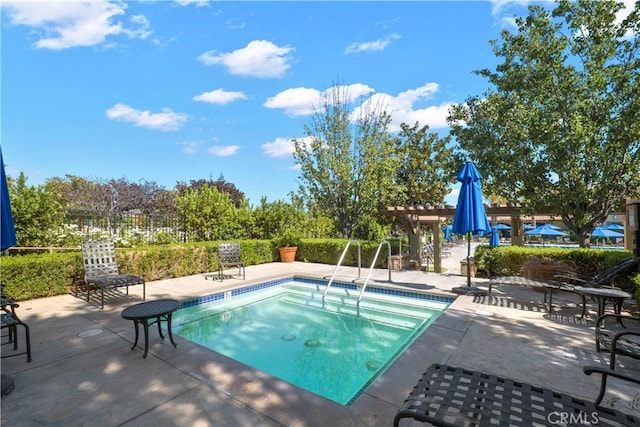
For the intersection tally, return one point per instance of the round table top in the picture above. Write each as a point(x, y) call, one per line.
point(148, 309)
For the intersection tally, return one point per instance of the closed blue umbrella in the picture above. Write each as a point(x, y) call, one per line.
point(7, 229)
point(7, 239)
point(495, 237)
point(447, 232)
point(470, 217)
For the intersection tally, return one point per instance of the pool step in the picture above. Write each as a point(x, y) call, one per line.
point(381, 317)
point(349, 296)
point(401, 316)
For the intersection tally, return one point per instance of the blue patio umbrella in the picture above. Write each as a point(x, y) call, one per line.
point(501, 227)
point(605, 232)
point(546, 230)
point(495, 237)
point(614, 227)
point(7, 229)
point(470, 217)
point(447, 232)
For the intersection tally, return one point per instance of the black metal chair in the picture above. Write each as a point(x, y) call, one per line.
point(10, 321)
point(101, 269)
point(230, 255)
point(454, 397)
point(602, 279)
point(618, 335)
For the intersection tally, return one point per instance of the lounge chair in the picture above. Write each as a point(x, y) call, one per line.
point(456, 397)
point(101, 269)
point(618, 335)
point(11, 321)
point(602, 279)
point(567, 282)
point(229, 255)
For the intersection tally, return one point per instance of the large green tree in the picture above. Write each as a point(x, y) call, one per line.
point(208, 214)
point(346, 163)
point(560, 125)
point(220, 184)
point(112, 195)
point(426, 166)
point(37, 212)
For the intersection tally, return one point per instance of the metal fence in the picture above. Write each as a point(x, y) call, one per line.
point(152, 228)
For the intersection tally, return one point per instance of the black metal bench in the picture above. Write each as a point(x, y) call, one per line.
point(457, 397)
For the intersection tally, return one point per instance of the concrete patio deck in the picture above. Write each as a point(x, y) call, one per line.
point(84, 372)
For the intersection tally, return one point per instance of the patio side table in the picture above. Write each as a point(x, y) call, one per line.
point(157, 310)
point(617, 296)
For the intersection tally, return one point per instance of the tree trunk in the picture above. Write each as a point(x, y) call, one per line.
point(584, 239)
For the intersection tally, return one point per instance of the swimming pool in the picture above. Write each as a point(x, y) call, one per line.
point(332, 349)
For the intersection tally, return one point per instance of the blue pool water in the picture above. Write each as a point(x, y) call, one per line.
point(283, 328)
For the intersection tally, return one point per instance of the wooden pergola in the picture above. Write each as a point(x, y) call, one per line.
point(413, 217)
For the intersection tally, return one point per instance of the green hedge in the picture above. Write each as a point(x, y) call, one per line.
point(508, 260)
point(43, 275)
point(328, 251)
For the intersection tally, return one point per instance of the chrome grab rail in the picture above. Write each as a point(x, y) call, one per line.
point(373, 264)
point(344, 252)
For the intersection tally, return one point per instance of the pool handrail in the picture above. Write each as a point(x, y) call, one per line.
point(335, 271)
point(373, 264)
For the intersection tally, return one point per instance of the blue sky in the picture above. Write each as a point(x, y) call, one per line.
point(169, 91)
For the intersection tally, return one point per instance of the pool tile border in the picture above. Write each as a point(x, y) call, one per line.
point(318, 282)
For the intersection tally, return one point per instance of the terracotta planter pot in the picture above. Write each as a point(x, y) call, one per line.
point(288, 254)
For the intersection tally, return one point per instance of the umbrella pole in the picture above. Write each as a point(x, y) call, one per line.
point(468, 259)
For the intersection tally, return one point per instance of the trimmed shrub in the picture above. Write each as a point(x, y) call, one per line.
point(43, 275)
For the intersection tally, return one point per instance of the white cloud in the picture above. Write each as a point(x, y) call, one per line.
point(300, 101)
point(499, 6)
point(197, 3)
point(223, 150)
point(304, 101)
point(191, 147)
point(401, 107)
point(166, 120)
point(219, 96)
point(435, 116)
point(66, 24)
point(374, 46)
point(354, 91)
point(260, 58)
point(280, 147)
point(452, 197)
point(234, 25)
